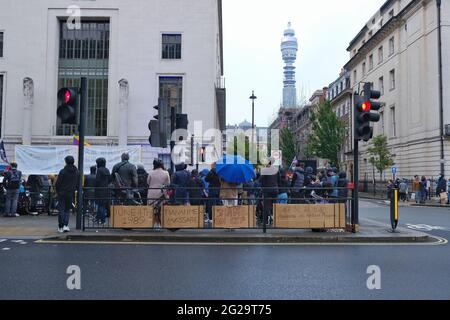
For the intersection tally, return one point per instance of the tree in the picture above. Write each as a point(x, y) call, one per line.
point(328, 134)
point(288, 146)
point(380, 156)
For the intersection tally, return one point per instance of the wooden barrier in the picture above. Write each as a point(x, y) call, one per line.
point(305, 216)
point(132, 217)
point(179, 217)
point(234, 217)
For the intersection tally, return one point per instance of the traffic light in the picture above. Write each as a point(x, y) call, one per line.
point(67, 105)
point(182, 121)
point(158, 126)
point(363, 115)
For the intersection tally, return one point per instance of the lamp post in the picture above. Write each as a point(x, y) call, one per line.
point(253, 98)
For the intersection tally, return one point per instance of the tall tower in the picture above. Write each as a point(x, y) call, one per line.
point(289, 48)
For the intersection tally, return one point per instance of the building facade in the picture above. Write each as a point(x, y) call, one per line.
point(340, 96)
point(132, 53)
point(398, 52)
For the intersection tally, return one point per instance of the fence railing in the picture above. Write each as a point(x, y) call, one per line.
point(225, 208)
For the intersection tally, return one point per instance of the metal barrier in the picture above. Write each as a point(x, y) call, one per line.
point(248, 208)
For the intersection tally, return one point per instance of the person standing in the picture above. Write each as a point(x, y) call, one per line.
point(403, 190)
point(89, 189)
point(12, 182)
point(416, 188)
point(423, 190)
point(124, 174)
point(297, 184)
point(342, 187)
point(283, 190)
point(441, 190)
point(180, 180)
point(270, 183)
point(213, 179)
point(196, 189)
point(66, 185)
point(142, 181)
point(102, 194)
point(157, 180)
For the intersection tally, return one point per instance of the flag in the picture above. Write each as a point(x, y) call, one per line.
point(76, 141)
point(3, 152)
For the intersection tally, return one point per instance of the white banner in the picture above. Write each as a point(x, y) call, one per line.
point(50, 160)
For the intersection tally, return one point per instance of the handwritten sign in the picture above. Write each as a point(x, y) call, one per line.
point(133, 217)
point(189, 217)
point(234, 217)
point(305, 216)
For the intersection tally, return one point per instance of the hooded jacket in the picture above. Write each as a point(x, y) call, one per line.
point(342, 185)
point(67, 182)
point(102, 182)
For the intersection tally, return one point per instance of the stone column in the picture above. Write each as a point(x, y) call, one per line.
point(28, 94)
point(123, 112)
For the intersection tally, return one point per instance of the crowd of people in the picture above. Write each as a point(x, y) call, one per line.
point(128, 183)
point(420, 189)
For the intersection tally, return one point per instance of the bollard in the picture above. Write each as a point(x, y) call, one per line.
point(394, 208)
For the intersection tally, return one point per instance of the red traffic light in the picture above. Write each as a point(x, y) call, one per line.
point(67, 96)
point(366, 106)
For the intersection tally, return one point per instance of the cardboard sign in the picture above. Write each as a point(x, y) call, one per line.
point(179, 217)
point(132, 217)
point(305, 216)
point(234, 217)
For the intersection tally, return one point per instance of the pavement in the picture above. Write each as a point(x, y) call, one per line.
point(44, 227)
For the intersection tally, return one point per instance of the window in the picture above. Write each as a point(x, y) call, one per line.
point(1, 44)
point(171, 46)
point(381, 85)
point(391, 46)
point(380, 55)
point(382, 122)
point(371, 62)
point(171, 91)
point(355, 74)
point(393, 124)
point(86, 52)
point(1, 102)
point(392, 79)
point(370, 33)
point(391, 13)
point(364, 68)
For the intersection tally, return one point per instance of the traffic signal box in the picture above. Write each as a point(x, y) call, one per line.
point(363, 115)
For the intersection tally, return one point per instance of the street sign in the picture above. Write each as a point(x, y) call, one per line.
point(278, 156)
point(394, 170)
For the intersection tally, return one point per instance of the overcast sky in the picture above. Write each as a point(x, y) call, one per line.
point(252, 34)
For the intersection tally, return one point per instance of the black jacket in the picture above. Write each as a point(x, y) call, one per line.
point(89, 186)
point(195, 189)
point(8, 176)
point(127, 173)
point(67, 182)
point(270, 182)
point(342, 185)
point(214, 181)
point(102, 183)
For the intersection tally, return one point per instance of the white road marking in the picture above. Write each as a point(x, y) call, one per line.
point(425, 227)
point(439, 241)
point(3, 240)
point(6, 249)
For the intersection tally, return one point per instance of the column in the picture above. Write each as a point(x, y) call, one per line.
point(28, 93)
point(123, 112)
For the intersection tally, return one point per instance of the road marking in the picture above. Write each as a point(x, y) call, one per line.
point(439, 241)
point(6, 249)
point(3, 240)
point(425, 227)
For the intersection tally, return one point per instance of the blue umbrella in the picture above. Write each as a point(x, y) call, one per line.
point(235, 169)
point(204, 172)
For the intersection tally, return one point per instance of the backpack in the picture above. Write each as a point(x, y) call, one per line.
point(14, 181)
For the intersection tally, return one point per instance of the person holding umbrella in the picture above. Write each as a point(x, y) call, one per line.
point(233, 171)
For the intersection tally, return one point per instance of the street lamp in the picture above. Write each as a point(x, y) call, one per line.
point(253, 98)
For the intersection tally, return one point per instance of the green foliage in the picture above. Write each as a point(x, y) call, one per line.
point(288, 146)
point(327, 136)
point(380, 156)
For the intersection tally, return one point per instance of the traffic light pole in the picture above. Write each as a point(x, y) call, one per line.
point(173, 120)
point(81, 133)
point(355, 211)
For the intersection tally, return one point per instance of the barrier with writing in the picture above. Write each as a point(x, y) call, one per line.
point(234, 217)
point(178, 217)
point(133, 217)
point(305, 216)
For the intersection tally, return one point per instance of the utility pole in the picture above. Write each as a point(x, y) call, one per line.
point(253, 98)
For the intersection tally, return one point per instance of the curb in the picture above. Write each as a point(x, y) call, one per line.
point(222, 238)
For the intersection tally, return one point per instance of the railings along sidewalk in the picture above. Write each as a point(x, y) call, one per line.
point(175, 208)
